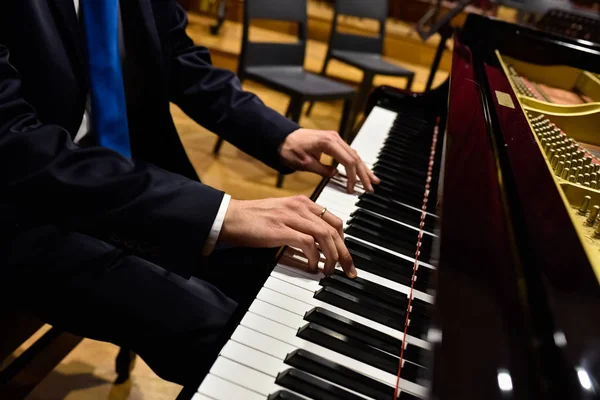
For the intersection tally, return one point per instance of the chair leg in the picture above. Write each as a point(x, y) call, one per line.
point(280, 177)
point(293, 112)
point(363, 95)
point(124, 364)
point(218, 146)
point(409, 81)
point(323, 72)
point(346, 119)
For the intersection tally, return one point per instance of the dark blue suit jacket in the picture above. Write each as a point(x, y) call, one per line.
point(45, 178)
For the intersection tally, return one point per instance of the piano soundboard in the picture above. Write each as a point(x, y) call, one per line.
point(310, 336)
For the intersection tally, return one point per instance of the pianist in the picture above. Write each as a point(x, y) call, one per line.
point(107, 245)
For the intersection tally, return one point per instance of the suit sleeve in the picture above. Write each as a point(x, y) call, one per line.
point(47, 179)
point(214, 98)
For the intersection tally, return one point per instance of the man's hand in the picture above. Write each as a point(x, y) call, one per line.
point(302, 151)
point(292, 221)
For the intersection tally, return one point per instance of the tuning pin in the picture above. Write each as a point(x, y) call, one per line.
point(586, 169)
point(597, 233)
point(587, 161)
point(572, 178)
point(565, 173)
point(586, 178)
point(580, 178)
point(559, 168)
point(586, 184)
point(585, 203)
point(579, 162)
point(594, 184)
point(567, 164)
point(593, 215)
point(554, 162)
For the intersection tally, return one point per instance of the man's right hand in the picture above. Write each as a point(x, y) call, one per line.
point(292, 221)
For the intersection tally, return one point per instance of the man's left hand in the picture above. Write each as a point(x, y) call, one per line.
point(302, 151)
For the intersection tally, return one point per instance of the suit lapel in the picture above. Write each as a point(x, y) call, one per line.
point(66, 12)
point(148, 24)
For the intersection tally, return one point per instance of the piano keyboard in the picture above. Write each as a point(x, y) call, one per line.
point(308, 336)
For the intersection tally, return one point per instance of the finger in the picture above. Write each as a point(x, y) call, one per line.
point(322, 233)
point(336, 149)
point(313, 165)
point(374, 178)
point(308, 246)
point(343, 255)
point(364, 177)
point(328, 217)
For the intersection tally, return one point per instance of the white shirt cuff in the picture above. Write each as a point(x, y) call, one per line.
point(215, 230)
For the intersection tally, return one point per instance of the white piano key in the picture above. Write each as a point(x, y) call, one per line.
point(264, 363)
point(372, 135)
point(300, 307)
point(275, 313)
point(261, 342)
point(198, 396)
point(273, 332)
point(252, 358)
point(221, 389)
point(243, 376)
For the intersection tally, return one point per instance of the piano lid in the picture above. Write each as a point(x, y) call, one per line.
point(508, 236)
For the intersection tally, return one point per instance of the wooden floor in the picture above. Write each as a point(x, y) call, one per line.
point(88, 372)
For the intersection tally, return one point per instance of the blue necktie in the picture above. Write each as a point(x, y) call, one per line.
point(109, 116)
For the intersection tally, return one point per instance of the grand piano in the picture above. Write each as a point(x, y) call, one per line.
point(478, 256)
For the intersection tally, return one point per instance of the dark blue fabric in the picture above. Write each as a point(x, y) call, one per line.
point(109, 114)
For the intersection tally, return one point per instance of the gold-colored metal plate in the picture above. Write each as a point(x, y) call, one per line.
point(504, 99)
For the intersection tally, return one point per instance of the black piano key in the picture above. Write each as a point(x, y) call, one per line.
point(399, 157)
point(339, 374)
point(405, 152)
point(395, 211)
point(387, 260)
point(389, 234)
point(376, 292)
point(416, 186)
point(364, 301)
point(406, 198)
point(283, 395)
point(359, 351)
point(356, 305)
point(396, 168)
point(365, 334)
point(370, 234)
point(407, 396)
point(384, 225)
point(399, 275)
point(310, 386)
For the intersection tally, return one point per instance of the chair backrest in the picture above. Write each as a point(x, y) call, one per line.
point(269, 53)
point(371, 9)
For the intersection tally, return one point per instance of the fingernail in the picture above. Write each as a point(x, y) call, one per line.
point(353, 272)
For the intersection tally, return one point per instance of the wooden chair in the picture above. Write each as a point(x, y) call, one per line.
point(280, 66)
point(362, 52)
point(21, 375)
